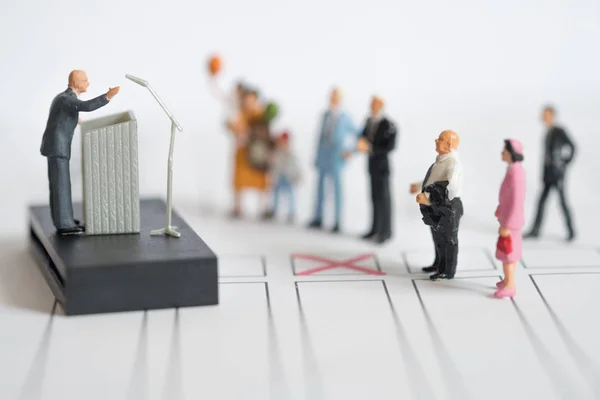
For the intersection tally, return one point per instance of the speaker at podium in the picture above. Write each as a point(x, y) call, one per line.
point(110, 175)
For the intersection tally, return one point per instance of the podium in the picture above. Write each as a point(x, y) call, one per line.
point(110, 175)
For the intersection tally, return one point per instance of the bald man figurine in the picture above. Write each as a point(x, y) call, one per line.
point(56, 147)
point(378, 140)
point(441, 205)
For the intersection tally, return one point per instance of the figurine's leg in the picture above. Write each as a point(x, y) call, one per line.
point(276, 191)
point(535, 230)
point(316, 222)
point(337, 188)
point(437, 260)
point(374, 210)
point(60, 183)
point(53, 194)
point(567, 213)
point(386, 210)
point(291, 202)
point(237, 203)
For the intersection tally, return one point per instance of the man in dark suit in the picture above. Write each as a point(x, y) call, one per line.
point(56, 147)
point(378, 139)
point(555, 167)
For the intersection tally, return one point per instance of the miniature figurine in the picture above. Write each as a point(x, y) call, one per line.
point(379, 139)
point(510, 214)
point(56, 147)
point(254, 147)
point(441, 205)
point(331, 155)
point(285, 174)
point(555, 167)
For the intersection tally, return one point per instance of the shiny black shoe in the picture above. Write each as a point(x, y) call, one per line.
point(429, 269)
point(315, 224)
point(438, 276)
point(368, 236)
point(74, 230)
point(382, 239)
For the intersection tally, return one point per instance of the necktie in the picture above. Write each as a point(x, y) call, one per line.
point(372, 129)
point(427, 177)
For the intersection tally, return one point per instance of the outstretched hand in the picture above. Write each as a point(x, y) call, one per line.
point(414, 188)
point(112, 92)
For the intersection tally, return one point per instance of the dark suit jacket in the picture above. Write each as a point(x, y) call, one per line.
point(383, 142)
point(62, 121)
point(440, 211)
point(555, 162)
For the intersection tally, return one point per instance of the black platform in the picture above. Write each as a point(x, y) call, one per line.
point(112, 273)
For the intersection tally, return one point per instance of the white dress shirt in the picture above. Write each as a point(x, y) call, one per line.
point(447, 167)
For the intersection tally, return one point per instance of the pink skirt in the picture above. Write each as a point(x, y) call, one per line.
point(517, 248)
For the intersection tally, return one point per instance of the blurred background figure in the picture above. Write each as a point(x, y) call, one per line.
point(378, 140)
point(331, 154)
point(555, 168)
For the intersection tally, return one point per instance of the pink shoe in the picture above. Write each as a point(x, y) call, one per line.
point(500, 285)
point(505, 293)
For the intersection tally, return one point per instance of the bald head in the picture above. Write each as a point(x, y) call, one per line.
point(78, 81)
point(376, 105)
point(446, 142)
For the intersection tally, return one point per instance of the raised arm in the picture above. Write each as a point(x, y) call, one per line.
point(72, 103)
point(569, 143)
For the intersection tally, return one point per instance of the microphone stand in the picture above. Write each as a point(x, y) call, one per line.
point(168, 230)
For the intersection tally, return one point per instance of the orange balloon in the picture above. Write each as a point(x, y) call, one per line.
point(214, 65)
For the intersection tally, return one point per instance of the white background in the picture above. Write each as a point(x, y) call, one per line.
point(483, 69)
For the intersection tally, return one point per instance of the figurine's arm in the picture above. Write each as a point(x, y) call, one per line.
point(454, 175)
point(389, 141)
point(513, 193)
point(569, 143)
point(74, 104)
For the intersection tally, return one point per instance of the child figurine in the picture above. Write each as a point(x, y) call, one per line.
point(510, 214)
point(285, 174)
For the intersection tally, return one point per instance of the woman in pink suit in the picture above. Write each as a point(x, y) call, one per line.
point(510, 216)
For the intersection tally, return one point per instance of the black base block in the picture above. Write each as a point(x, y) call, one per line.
point(130, 272)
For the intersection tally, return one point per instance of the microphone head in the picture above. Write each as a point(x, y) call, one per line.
point(139, 81)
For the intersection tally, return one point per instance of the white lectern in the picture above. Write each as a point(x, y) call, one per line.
point(110, 176)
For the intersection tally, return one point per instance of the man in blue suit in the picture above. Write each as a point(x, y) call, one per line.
point(56, 147)
point(332, 152)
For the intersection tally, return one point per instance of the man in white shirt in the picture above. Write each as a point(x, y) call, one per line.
point(447, 168)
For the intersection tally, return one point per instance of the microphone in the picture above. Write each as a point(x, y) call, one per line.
point(139, 81)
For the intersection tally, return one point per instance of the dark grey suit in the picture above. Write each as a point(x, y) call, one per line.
point(56, 146)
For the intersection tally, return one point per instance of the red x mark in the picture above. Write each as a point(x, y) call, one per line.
point(334, 264)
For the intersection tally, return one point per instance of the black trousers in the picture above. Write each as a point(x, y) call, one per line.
point(382, 205)
point(446, 240)
point(560, 187)
point(59, 178)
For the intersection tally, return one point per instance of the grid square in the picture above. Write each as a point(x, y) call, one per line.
point(561, 258)
point(242, 266)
